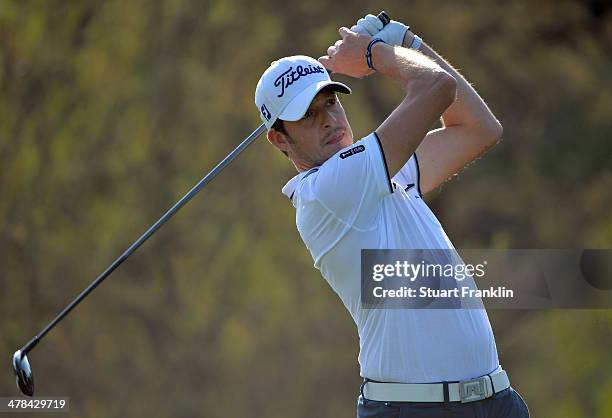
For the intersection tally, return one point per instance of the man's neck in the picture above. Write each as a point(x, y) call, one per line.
point(301, 166)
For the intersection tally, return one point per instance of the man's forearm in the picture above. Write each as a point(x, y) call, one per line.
point(405, 66)
point(468, 109)
point(429, 91)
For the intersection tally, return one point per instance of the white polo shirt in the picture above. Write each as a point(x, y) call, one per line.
point(348, 204)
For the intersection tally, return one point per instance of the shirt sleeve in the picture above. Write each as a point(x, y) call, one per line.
point(352, 183)
point(409, 175)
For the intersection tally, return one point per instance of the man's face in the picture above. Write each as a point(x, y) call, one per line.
point(322, 132)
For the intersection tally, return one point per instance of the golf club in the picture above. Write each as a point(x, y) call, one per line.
point(21, 364)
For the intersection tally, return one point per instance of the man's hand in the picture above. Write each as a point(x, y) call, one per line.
point(347, 56)
point(392, 34)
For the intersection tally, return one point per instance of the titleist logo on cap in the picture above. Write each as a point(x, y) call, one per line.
point(291, 76)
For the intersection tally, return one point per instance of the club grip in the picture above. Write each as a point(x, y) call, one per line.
point(384, 18)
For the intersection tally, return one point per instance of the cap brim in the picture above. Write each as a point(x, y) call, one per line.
point(297, 107)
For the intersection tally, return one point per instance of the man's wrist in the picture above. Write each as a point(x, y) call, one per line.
point(378, 55)
point(368, 53)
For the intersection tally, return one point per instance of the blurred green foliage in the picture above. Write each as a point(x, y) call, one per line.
point(111, 110)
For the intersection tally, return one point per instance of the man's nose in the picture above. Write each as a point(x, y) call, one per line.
point(329, 119)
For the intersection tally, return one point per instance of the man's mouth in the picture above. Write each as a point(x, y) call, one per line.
point(335, 138)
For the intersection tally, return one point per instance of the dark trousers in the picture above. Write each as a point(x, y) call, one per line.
point(505, 404)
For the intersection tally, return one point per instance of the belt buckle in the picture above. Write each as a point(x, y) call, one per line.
point(474, 390)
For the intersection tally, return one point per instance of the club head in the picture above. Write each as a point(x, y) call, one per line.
point(23, 372)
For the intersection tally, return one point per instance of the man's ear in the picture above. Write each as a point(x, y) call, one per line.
point(278, 139)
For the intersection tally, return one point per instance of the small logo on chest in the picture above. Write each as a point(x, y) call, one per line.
point(352, 151)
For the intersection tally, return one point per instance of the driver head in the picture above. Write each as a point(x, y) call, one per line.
point(23, 372)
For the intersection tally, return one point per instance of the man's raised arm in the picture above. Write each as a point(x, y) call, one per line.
point(469, 129)
point(429, 89)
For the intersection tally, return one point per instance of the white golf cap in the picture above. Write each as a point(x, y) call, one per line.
point(287, 87)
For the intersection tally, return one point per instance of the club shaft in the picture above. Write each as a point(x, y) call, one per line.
point(132, 248)
point(384, 18)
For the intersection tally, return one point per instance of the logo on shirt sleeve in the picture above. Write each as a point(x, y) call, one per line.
point(352, 151)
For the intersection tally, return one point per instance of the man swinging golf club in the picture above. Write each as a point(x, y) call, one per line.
point(367, 195)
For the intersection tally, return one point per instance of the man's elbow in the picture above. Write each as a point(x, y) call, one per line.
point(487, 132)
point(493, 132)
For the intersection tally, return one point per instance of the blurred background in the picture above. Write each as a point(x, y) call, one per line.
point(111, 110)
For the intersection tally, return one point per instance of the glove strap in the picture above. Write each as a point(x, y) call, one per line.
point(368, 53)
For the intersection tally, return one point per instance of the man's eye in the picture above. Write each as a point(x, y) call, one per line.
point(307, 114)
point(332, 101)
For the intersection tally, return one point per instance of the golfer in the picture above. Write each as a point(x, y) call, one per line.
point(368, 194)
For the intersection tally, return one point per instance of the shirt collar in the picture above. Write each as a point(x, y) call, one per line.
point(289, 188)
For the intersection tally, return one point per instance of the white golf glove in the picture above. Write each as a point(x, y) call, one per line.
point(392, 34)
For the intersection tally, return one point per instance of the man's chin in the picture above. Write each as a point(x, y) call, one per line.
point(334, 148)
point(346, 142)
